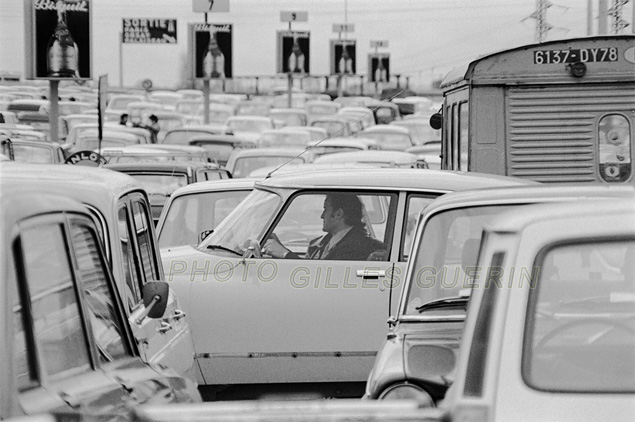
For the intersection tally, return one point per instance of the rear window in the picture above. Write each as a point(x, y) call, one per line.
point(580, 333)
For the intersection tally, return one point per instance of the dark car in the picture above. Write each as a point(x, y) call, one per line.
point(67, 346)
point(161, 179)
point(220, 147)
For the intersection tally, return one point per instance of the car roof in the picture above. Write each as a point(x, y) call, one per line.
point(442, 180)
point(215, 185)
point(279, 152)
point(379, 156)
point(528, 194)
point(386, 129)
point(94, 185)
point(180, 166)
point(248, 117)
point(517, 220)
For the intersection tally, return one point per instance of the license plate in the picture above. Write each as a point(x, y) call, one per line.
point(585, 55)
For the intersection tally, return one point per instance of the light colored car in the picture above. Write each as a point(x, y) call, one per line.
point(315, 108)
point(430, 152)
point(184, 135)
point(31, 151)
point(154, 153)
point(120, 207)
point(167, 99)
point(193, 211)
point(317, 133)
point(280, 138)
point(549, 332)
point(118, 103)
point(420, 129)
point(89, 140)
point(290, 116)
point(66, 347)
point(248, 127)
point(252, 108)
point(335, 145)
point(66, 122)
point(447, 239)
point(242, 162)
point(364, 114)
point(378, 157)
point(389, 137)
point(220, 147)
point(337, 124)
point(276, 302)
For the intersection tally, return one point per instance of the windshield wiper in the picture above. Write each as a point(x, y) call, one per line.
point(448, 302)
point(223, 248)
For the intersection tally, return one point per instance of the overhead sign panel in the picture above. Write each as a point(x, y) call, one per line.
point(290, 16)
point(149, 31)
point(343, 27)
point(210, 6)
point(379, 44)
point(58, 39)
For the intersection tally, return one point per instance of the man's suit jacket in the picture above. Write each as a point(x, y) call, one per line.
point(356, 245)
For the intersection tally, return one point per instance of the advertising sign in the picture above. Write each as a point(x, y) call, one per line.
point(343, 57)
point(58, 39)
point(293, 52)
point(211, 50)
point(378, 67)
point(149, 31)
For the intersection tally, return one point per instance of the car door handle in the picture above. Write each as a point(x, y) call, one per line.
point(164, 328)
point(371, 273)
point(178, 314)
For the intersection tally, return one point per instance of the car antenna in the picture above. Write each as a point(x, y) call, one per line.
point(372, 110)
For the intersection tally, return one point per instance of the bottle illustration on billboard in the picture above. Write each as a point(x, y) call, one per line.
point(380, 71)
point(213, 58)
point(62, 51)
point(296, 58)
point(345, 65)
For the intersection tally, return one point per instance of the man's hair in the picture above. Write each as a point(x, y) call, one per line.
point(154, 118)
point(351, 205)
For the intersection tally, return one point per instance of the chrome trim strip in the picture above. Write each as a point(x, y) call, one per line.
point(250, 355)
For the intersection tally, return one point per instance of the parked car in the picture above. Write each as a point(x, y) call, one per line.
point(242, 162)
point(220, 147)
point(121, 208)
point(29, 151)
point(364, 114)
point(378, 157)
point(317, 133)
point(66, 122)
point(67, 346)
point(276, 302)
point(430, 152)
point(549, 332)
point(248, 127)
point(160, 179)
point(290, 116)
point(389, 137)
point(281, 138)
point(436, 290)
point(193, 211)
point(385, 111)
point(337, 124)
point(184, 135)
point(335, 145)
point(154, 153)
point(317, 108)
point(419, 128)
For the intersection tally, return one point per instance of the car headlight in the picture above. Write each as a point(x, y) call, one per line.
point(407, 391)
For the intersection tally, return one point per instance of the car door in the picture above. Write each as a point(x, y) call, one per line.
point(167, 340)
point(54, 362)
point(304, 320)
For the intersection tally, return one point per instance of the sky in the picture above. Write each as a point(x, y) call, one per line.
point(426, 38)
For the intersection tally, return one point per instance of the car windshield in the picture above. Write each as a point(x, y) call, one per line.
point(246, 222)
point(445, 260)
point(191, 215)
point(579, 334)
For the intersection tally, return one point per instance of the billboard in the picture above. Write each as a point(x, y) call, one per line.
point(211, 50)
point(293, 52)
point(379, 67)
point(149, 31)
point(343, 57)
point(58, 39)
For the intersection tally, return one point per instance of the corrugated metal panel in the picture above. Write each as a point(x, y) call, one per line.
point(552, 132)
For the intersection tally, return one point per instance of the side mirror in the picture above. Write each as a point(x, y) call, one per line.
point(155, 298)
point(436, 121)
point(204, 234)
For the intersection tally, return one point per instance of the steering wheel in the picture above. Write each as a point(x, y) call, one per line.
point(582, 322)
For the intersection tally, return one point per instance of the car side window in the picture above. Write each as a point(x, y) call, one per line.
point(413, 207)
point(143, 234)
point(56, 320)
point(131, 274)
point(98, 294)
point(309, 223)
